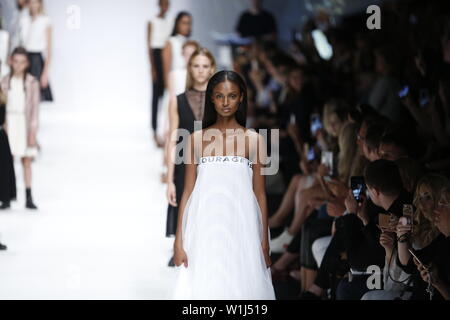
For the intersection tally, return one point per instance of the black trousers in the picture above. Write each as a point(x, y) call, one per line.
point(158, 86)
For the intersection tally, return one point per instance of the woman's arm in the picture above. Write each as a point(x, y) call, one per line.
point(34, 118)
point(151, 57)
point(48, 58)
point(167, 63)
point(189, 183)
point(170, 155)
point(260, 192)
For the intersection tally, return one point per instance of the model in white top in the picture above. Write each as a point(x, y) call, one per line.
point(173, 51)
point(158, 32)
point(160, 27)
point(36, 38)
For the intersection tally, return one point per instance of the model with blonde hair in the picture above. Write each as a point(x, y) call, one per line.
point(184, 110)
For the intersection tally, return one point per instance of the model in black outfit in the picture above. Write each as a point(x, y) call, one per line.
point(183, 112)
point(7, 175)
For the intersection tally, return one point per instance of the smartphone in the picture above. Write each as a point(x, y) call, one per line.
point(408, 216)
point(292, 119)
point(327, 159)
point(311, 155)
point(424, 97)
point(358, 186)
point(415, 256)
point(316, 124)
point(384, 220)
point(404, 92)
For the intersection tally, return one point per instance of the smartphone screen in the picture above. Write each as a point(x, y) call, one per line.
point(316, 124)
point(311, 156)
point(327, 159)
point(358, 187)
point(404, 92)
point(424, 97)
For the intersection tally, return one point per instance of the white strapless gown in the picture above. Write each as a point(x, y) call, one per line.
point(222, 233)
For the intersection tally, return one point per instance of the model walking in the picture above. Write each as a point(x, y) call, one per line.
point(222, 241)
point(36, 38)
point(184, 110)
point(22, 115)
point(158, 32)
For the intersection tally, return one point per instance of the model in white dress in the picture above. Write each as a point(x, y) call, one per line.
point(222, 236)
point(177, 82)
point(16, 119)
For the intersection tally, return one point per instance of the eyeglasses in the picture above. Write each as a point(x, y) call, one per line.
point(361, 138)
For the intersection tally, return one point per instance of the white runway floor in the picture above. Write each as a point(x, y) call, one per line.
point(99, 233)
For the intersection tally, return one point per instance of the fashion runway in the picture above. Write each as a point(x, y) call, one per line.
point(100, 229)
point(99, 232)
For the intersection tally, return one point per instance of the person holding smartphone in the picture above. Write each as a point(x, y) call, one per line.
point(430, 265)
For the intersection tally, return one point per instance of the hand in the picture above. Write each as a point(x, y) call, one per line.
point(266, 252)
point(32, 141)
point(350, 203)
point(304, 166)
point(323, 170)
point(387, 240)
point(292, 130)
point(338, 188)
point(335, 207)
point(172, 194)
point(44, 80)
point(180, 257)
point(362, 210)
point(402, 229)
point(427, 272)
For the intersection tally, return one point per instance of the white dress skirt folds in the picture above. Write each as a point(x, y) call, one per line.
point(16, 120)
point(222, 234)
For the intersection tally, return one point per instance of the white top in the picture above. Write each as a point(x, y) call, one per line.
point(33, 33)
point(178, 61)
point(4, 42)
point(16, 96)
point(161, 30)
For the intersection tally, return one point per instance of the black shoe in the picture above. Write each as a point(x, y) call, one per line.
point(3, 247)
point(171, 263)
point(29, 204)
point(5, 205)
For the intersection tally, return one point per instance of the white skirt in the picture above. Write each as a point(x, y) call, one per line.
point(17, 133)
point(17, 136)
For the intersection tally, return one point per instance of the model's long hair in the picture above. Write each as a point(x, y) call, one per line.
point(180, 16)
point(210, 114)
point(199, 52)
point(19, 51)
